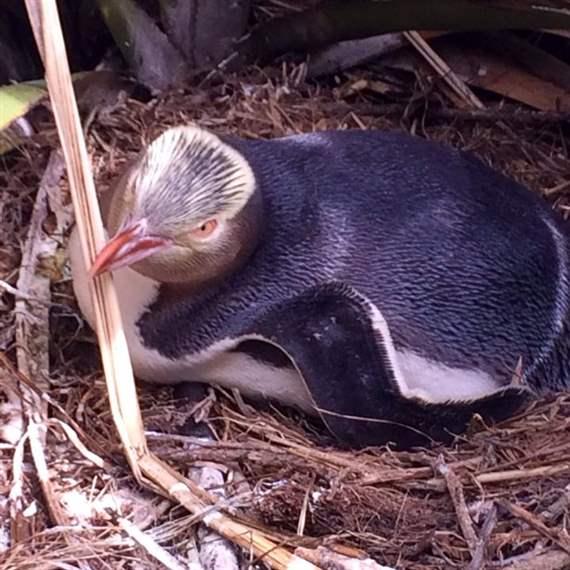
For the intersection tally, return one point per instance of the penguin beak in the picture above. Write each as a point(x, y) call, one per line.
point(129, 245)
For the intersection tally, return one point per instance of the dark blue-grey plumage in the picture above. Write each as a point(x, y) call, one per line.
point(406, 284)
point(467, 266)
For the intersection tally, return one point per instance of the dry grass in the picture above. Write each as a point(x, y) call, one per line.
point(410, 510)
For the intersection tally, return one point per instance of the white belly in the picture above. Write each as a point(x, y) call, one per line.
point(416, 376)
point(215, 365)
point(435, 382)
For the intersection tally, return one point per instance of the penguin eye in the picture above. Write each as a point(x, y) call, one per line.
point(205, 230)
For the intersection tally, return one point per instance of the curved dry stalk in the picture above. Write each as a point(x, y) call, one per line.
point(114, 351)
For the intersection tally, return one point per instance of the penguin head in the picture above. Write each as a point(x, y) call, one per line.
point(187, 210)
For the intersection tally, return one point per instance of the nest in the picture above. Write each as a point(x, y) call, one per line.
point(497, 496)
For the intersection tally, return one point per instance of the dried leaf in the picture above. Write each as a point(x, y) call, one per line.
point(481, 68)
point(151, 56)
point(496, 73)
point(204, 32)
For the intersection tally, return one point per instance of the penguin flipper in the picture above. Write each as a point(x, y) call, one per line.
point(341, 346)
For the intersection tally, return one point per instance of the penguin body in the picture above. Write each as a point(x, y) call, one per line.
point(404, 282)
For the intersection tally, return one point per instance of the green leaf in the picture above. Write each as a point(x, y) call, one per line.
point(16, 100)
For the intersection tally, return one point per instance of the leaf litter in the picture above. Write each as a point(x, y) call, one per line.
point(500, 493)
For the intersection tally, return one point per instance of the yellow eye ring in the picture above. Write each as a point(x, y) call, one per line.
point(205, 230)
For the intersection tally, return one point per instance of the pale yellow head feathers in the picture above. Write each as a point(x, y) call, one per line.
point(186, 210)
point(187, 176)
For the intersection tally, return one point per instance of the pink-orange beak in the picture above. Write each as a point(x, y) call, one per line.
point(126, 247)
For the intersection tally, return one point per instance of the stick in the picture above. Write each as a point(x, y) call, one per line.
point(455, 489)
point(478, 560)
point(215, 552)
point(500, 114)
point(533, 521)
point(152, 547)
point(339, 20)
point(334, 561)
point(465, 95)
point(37, 440)
point(551, 560)
point(32, 334)
point(20, 526)
point(116, 363)
point(114, 351)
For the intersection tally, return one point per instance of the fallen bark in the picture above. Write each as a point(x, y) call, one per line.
point(339, 20)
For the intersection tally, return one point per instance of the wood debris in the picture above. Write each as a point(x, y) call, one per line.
point(392, 508)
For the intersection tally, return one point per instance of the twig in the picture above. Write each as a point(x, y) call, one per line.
point(560, 506)
point(21, 379)
point(455, 489)
point(517, 474)
point(344, 55)
point(36, 439)
point(49, 38)
point(74, 439)
point(117, 366)
point(339, 20)
point(465, 95)
point(551, 560)
point(12, 426)
point(215, 552)
point(510, 475)
point(32, 335)
point(563, 33)
point(368, 473)
point(330, 560)
point(32, 338)
point(507, 113)
point(305, 507)
point(501, 114)
point(21, 295)
point(152, 547)
point(533, 521)
point(19, 525)
point(478, 560)
point(36, 436)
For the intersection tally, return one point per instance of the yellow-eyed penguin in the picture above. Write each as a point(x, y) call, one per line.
point(391, 285)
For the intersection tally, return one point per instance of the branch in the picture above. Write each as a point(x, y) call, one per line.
point(339, 20)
